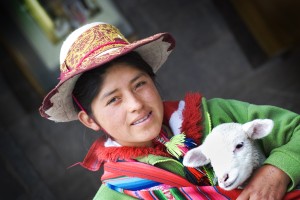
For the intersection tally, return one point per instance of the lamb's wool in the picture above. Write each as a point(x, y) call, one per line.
point(231, 150)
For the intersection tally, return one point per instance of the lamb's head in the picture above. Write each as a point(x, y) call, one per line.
point(231, 151)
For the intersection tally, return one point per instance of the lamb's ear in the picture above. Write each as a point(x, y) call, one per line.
point(195, 158)
point(258, 128)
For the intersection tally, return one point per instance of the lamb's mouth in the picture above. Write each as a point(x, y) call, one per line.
point(228, 186)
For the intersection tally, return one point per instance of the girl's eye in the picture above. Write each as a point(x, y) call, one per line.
point(139, 84)
point(112, 100)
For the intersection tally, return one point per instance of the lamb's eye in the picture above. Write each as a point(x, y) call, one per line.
point(240, 145)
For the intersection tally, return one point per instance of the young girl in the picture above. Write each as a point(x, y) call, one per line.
point(108, 84)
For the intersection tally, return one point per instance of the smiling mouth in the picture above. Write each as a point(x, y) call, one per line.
point(142, 120)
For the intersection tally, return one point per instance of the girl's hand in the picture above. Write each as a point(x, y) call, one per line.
point(268, 182)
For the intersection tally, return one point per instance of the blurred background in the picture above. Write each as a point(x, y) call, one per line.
point(239, 49)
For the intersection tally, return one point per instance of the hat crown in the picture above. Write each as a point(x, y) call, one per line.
point(95, 41)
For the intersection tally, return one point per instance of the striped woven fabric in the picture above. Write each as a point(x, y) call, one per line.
point(160, 184)
point(139, 188)
point(183, 193)
point(130, 183)
point(151, 190)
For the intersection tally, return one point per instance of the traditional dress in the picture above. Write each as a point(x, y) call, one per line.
point(157, 173)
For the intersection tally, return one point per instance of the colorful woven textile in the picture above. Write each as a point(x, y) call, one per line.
point(181, 193)
point(203, 192)
point(191, 193)
point(133, 181)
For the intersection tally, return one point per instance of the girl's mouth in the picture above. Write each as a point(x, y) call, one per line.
point(143, 119)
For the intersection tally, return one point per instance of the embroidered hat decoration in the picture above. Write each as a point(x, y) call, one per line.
point(89, 47)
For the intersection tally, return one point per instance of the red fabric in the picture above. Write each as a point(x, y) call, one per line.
point(201, 177)
point(98, 154)
point(145, 171)
point(293, 195)
point(232, 194)
point(91, 160)
point(115, 153)
point(192, 115)
point(169, 108)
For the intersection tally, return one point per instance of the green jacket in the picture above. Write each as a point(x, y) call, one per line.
point(281, 147)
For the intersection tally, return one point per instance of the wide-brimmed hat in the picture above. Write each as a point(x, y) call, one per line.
point(89, 47)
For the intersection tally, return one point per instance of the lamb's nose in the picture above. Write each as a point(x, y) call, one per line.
point(225, 178)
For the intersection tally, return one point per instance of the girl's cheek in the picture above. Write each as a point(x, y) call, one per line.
point(150, 92)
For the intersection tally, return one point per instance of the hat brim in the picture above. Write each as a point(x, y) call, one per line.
point(58, 105)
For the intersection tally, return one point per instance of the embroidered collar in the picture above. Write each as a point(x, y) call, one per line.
point(191, 126)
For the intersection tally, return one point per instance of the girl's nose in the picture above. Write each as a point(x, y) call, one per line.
point(134, 103)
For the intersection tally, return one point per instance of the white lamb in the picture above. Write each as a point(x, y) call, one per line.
point(232, 152)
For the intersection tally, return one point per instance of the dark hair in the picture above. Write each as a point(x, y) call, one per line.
point(89, 83)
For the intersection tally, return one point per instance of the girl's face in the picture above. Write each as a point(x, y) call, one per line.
point(128, 106)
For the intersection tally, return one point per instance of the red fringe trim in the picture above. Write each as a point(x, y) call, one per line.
point(115, 153)
point(98, 154)
point(192, 115)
